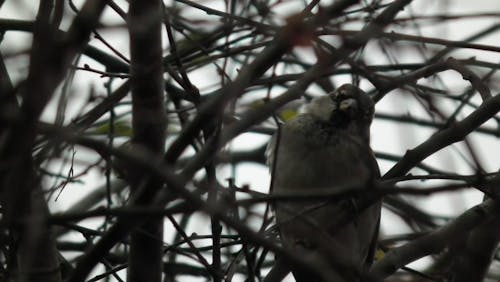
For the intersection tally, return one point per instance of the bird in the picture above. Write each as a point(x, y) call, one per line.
point(326, 149)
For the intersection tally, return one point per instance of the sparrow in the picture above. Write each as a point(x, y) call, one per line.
point(326, 150)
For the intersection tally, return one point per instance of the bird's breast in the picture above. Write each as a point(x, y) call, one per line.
point(303, 166)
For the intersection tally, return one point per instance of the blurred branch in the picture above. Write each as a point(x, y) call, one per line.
point(156, 167)
point(435, 241)
point(149, 124)
point(52, 57)
point(269, 56)
point(394, 36)
point(438, 125)
point(258, 115)
point(226, 69)
point(473, 256)
point(445, 137)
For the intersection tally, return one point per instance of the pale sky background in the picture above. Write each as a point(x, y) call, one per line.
point(386, 136)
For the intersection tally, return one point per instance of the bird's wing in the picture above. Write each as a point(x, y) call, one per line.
point(373, 246)
point(271, 149)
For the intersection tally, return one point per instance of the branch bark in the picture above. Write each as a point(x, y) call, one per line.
point(435, 241)
point(149, 126)
point(21, 190)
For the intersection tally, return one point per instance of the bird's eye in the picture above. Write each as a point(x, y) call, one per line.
point(342, 95)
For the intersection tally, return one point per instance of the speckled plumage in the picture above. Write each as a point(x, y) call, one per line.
point(326, 149)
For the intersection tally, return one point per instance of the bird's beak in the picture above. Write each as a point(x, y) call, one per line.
point(349, 107)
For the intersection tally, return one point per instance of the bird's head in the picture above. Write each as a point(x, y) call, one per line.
point(348, 107)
